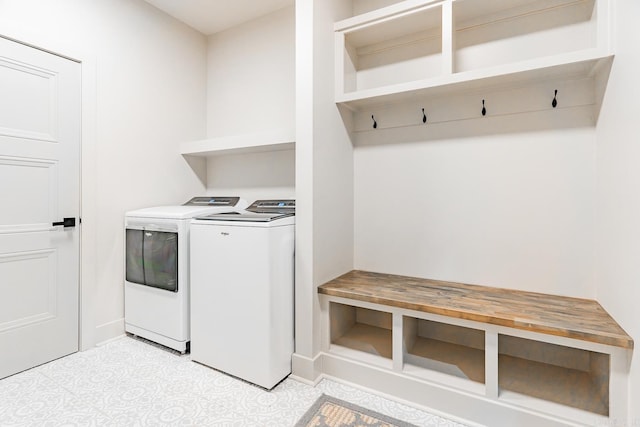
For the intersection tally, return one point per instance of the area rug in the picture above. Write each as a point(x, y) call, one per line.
point(331, 412)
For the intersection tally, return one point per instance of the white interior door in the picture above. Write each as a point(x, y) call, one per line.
point(39, 185)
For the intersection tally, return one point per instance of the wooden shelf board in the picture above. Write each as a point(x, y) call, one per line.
point(367, 338)
point(576, 65)
point(454, 359)
point(575, 318)
point(568, 387)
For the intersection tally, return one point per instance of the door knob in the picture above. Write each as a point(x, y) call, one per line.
point(66, 222)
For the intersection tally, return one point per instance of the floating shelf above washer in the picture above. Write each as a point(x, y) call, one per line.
point(276, 140)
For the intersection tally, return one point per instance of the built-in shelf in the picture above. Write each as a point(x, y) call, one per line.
point(575, 66)
point(555, 355)
point(528, 311)
point(276, 140)
point(420, 49)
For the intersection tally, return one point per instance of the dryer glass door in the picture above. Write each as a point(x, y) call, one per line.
point(134, 263)
point(152, 258)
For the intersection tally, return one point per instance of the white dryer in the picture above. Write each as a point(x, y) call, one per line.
point(242, 279)
point(156, 292)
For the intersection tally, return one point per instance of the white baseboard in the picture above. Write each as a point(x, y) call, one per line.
point(109, 331)
point(305, 369)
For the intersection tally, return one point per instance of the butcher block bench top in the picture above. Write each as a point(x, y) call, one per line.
point(577, 318)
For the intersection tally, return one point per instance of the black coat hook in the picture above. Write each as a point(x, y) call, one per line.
point(424, 116)
point(484, 110)
point(554, 103)
point(375, 124)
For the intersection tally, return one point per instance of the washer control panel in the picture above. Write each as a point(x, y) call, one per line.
point(273, 206)
point(213, 201)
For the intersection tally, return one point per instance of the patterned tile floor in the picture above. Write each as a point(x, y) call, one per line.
point(129, 382)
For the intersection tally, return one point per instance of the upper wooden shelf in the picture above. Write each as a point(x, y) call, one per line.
point(576, 318)
point(277, 140)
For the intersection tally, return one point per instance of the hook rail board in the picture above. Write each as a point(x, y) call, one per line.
point(498, 102)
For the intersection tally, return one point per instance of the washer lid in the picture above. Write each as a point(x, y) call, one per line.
point(246, 216)
point(273, 206)
point(188, 210)
point(259, 211)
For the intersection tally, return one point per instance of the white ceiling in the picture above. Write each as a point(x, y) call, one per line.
point(212, 16)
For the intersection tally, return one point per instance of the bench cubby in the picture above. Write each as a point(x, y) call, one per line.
point(449, 349)
point(361, 329)
point(568, 376)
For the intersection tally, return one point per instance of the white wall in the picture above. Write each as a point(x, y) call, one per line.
point(250, 90)
point(251, 76)
point(332, 156)
point(303, 364)
point(324, 176)
point(150, 94)
point(253, 176)
point(505, 210)
point(618, 195)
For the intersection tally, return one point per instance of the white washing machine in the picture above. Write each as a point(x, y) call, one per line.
point(156, 292)
point(242, 277)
